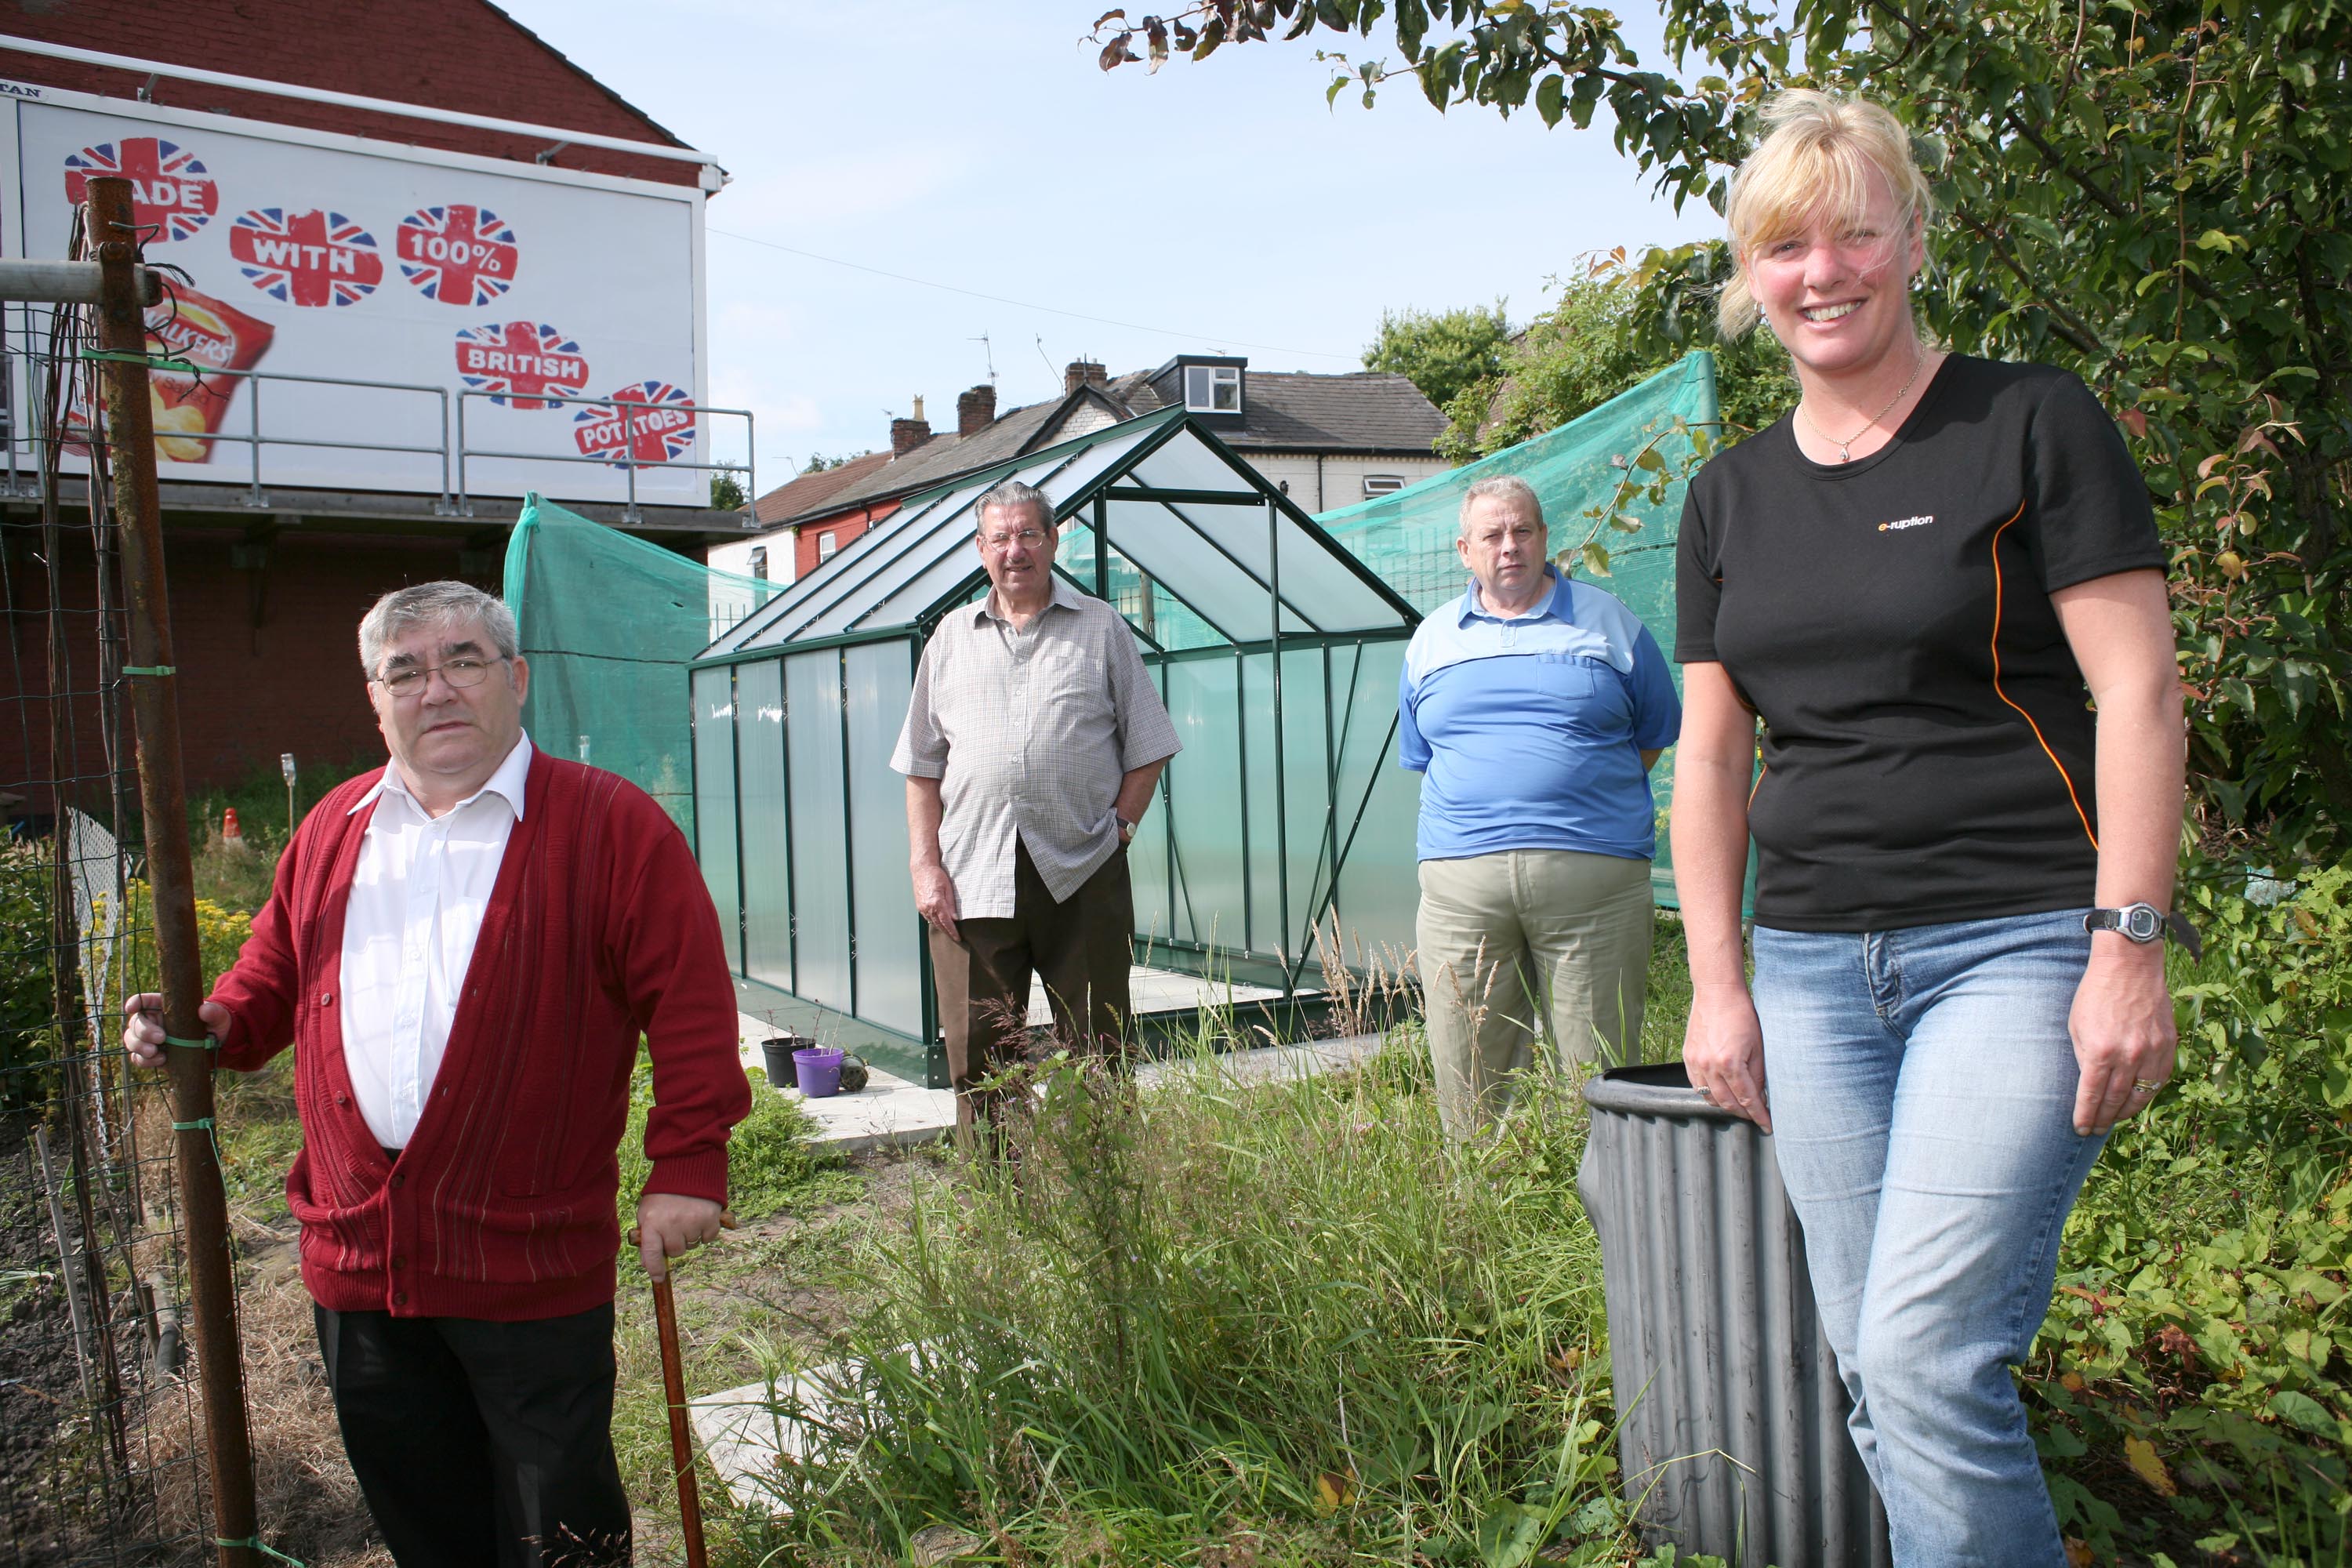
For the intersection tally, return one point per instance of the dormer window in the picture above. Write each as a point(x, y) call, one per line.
point(1213, 389)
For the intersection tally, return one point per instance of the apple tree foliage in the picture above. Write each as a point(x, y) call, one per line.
point(2155, 194)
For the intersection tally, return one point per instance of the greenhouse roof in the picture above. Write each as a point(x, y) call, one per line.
point(1157, 496)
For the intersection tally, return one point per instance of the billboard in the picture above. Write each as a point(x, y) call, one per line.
point(342, 290)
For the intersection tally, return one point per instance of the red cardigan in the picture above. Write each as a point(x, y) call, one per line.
point(598, 929)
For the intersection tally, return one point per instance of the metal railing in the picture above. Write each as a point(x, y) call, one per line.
point(24, 437)
point(627, 459)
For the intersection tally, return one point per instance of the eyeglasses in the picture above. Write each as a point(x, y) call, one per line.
point(410, 679)
point(1028, 538)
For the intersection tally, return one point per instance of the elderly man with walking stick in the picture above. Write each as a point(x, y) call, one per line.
point(464, 947)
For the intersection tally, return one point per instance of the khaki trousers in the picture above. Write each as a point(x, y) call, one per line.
point(1511, 942)
point(1080, 948)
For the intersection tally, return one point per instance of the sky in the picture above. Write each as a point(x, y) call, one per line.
point(1217, 206)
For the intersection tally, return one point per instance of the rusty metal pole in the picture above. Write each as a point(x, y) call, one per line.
point(154, 703)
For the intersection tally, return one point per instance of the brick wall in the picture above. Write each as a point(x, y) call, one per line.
point(246, 694)
point(447, 53)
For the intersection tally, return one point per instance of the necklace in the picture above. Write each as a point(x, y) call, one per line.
point(1846, 453)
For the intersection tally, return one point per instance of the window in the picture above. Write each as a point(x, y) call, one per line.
point(1212, 388)
point(760, 562)
point(826, 548)
point(1382, 485)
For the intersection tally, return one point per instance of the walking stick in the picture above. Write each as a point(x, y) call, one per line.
point(681, 1440)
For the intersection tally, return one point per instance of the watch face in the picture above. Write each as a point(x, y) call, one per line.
point(2141, 922)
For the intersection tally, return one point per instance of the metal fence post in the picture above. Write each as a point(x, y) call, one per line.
point(122, 332)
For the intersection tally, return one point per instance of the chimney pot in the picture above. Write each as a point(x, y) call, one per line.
point(975, 410)
point(1081, 373)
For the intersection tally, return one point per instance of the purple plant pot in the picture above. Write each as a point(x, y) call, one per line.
point(818, 1071)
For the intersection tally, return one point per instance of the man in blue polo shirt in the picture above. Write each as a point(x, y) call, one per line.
point(1534, 706)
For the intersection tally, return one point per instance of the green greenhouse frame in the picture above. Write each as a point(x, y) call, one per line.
point(1284, 819)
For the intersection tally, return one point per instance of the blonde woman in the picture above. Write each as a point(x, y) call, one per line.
point(1937, 584)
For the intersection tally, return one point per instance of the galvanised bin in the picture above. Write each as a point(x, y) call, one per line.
point(1732, 1430)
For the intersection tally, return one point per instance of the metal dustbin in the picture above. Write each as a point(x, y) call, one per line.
point(1732, 1433)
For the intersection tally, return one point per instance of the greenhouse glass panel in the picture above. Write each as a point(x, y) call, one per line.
point(714, 789)
point(1221, 593)
point(759, 774)
point(1306, 793)
point(1186, 463)
point(820, 851)
point(1241, 534)
point(1204, 791)
point(889, 931)
point(1264, 871)
point(844, 593)
point(1379, 875)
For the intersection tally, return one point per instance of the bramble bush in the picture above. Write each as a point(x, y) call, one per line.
point(2187, 1386)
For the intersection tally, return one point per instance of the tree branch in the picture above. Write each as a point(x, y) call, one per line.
point(2056, 160)
point(2068, 325)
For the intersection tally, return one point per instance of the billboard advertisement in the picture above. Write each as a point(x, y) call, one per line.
point(343, 297)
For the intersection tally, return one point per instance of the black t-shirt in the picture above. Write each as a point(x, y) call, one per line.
point(1928, 737)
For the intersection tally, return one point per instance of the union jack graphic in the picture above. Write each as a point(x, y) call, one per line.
point(169, 187)
point(514, 361)
point(457, 254)
point(313, 259)
point(660, 431)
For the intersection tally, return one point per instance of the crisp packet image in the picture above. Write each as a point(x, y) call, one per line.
point(210, 335)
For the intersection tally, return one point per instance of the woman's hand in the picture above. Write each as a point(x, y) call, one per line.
point(2123, 1030)
point(1723, 1051)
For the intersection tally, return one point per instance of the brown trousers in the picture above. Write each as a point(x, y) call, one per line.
point(1080, 948)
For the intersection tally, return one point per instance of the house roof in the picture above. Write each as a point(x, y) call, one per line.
point(1373, 411)
point(812, 491)
point(936, 460)
point(1286, 411)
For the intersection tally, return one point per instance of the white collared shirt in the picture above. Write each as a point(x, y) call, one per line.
point(416, 901)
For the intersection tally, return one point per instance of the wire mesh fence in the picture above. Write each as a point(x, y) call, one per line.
point(99, 1421)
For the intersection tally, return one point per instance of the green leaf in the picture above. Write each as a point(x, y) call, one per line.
point(2302, 1410)
point(1551, 99)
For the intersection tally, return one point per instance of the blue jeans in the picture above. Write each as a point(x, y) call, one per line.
point(1922, 1086)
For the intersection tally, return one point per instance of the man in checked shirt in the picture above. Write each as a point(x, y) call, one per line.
point(1033, 739)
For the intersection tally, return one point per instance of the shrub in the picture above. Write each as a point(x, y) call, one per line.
point(2186, 1384)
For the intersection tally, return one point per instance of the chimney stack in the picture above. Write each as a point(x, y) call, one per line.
point(1081, 373)
point(906, 435)
point(975, 410)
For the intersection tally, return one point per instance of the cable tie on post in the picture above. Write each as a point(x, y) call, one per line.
point(254, 1543)
point(201, 1124)
point(148, 668)
point(206, 1043)
point(171, 365)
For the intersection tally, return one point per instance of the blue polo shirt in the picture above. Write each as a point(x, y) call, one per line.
point(1529, 729)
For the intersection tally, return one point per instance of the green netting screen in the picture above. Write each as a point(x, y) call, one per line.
point(609, 623)
point(1589, 468)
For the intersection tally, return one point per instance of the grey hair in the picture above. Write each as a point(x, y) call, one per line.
point(1012, 495)
point(1503, 487)
point(438, 604)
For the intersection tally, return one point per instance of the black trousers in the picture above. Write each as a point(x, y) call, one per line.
point(482, 1445)
point(1080, 949)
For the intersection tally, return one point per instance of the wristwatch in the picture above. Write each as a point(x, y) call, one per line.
point(1126, 830)
point(2143, 923)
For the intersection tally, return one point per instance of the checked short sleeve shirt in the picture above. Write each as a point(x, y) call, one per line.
point(1029, 733)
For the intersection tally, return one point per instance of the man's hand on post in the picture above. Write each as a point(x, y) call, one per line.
point(935, 900)
point(669, 1224)
point(143, 1026)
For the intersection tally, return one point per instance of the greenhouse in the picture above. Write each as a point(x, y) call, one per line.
point(1283, 834)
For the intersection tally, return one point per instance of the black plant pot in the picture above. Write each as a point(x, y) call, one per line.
point(777, 1050)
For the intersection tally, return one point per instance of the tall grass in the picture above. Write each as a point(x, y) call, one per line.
point(1292, 1305)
